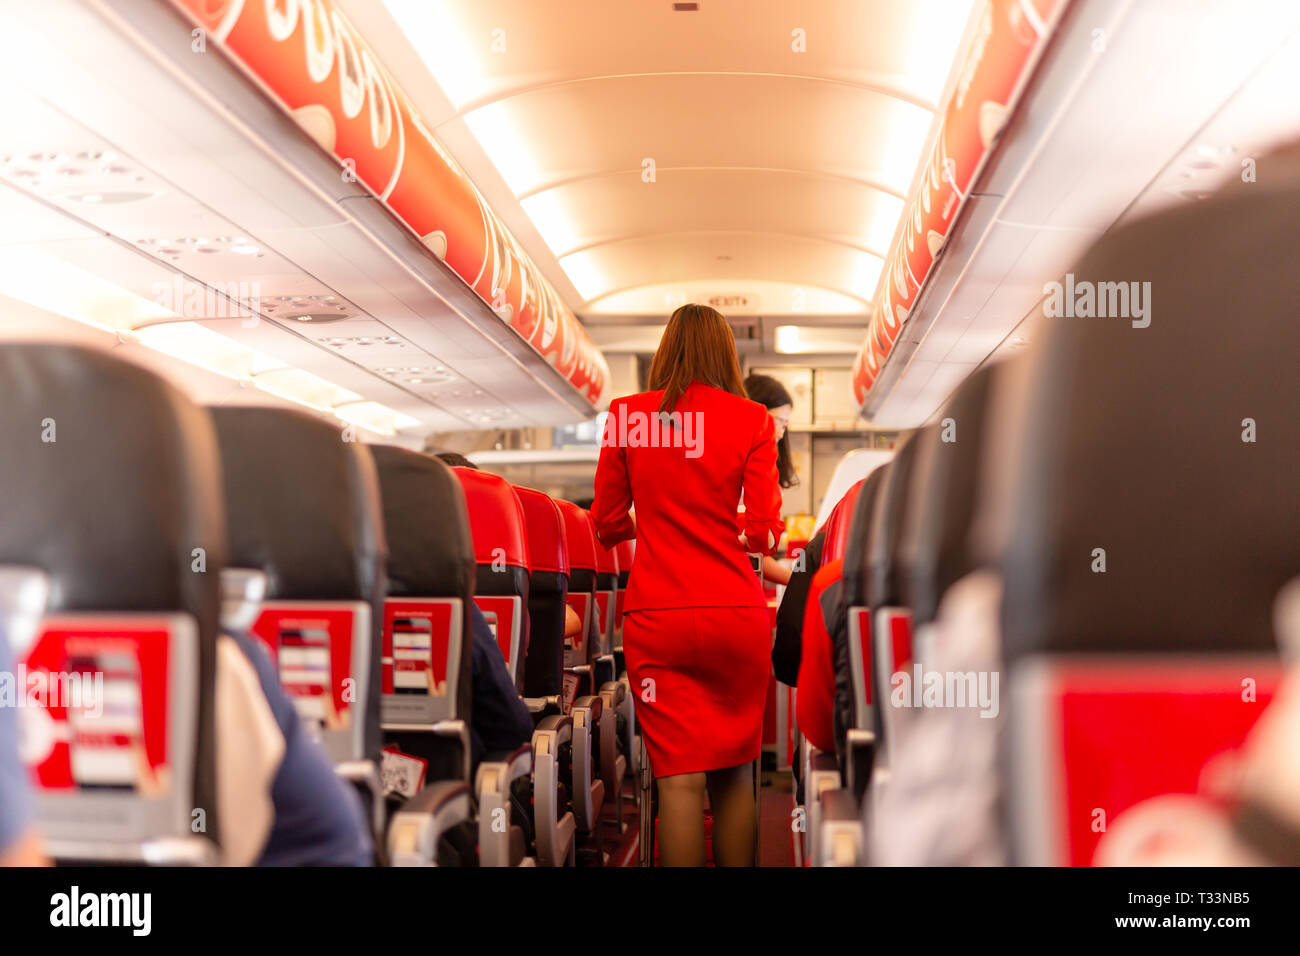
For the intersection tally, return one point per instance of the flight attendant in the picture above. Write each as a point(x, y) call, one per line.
point(696, 631)
point(774, 396)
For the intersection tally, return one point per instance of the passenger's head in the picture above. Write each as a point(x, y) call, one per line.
point(697, 346)
point(773, 396)
point(454, 459)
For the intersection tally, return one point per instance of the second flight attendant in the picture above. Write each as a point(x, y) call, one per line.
point(696, 631)
point(773, 396)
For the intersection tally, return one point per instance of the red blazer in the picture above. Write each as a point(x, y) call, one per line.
point(684, 483)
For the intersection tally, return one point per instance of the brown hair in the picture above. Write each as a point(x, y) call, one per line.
point(697, 346)
point(454, 459)
point(771, 394)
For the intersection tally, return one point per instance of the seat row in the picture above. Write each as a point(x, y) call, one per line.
point(1047, 631)
point(159, 560)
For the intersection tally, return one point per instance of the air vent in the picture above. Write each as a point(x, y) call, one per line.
point(111, 197)
point(417, 375)
point(347, 341)
point(685, 7)
point(88, 176)
point(174, 249)
point(744, 329)
point(316, 317)
point(36, 167)
point(314, 309)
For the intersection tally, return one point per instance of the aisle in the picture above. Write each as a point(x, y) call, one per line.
point(776, 839)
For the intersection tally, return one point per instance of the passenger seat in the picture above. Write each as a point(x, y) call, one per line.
point(307, 565)
point(112, 544)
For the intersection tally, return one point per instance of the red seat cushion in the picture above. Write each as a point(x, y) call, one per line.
point(496, 518)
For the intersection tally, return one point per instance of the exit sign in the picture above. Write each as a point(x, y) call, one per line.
point(734, 302)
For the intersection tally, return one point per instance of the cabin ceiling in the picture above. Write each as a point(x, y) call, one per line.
point(649, 156)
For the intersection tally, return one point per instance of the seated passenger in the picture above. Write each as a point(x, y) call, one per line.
point(282, 804)
point(454, 459)
point(789, 616)
point(18, 843)
point(774, 396)
point(500, 722)
point(815, 700)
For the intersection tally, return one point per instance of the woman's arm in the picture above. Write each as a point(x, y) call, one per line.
point(762, 491)
point(572, 623)
point(613, 500)
point(775, 571)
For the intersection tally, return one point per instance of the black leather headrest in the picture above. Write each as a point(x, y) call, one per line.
point(1134, 441)
point(855, 572)
point(114, 507)
point(430, 551)
point(884, 565)
point(941, 505)
point(302, 505)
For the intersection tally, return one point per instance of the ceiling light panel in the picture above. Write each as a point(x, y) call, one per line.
point(811, 339)
point(688, 258)
point(554, 134)
point(778, 203)
point(485, 49)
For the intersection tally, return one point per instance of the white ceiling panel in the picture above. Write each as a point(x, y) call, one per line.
point(743, 141)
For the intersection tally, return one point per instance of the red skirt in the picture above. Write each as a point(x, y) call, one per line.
point(699, 676)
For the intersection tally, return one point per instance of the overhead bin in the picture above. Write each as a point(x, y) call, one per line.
point(175, 170)
point(317, 67)
point(1001, 55)
point(1061, 124)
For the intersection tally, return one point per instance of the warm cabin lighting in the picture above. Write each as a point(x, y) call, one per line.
point(304, 388)
point(465, 59)
point(374, 417)
point(787, 339)
point(585, 274)
point(49, 283)
point(444, 44)
point(805, 339)
point(553, 220)
point(209, 350)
